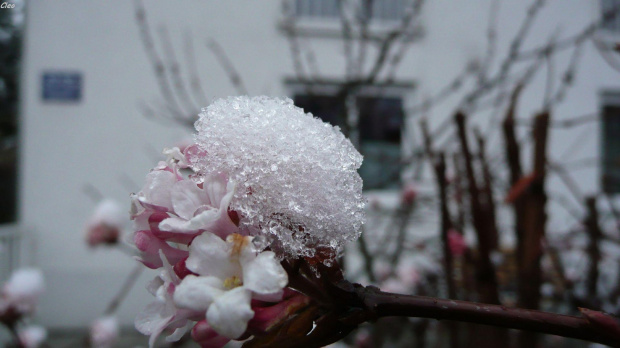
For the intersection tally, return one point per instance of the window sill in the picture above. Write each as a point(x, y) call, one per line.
point(332, 28)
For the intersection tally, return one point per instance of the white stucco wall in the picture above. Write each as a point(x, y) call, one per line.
point(105, 136)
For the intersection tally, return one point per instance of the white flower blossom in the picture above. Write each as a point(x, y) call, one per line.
point(162, 313)
point(201, 208)
point(230, 274)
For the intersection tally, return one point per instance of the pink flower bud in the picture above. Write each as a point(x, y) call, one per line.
point(456, 242)
point(363, 339)
point(150, 245)
point(104, 332)
point(204, 335)
point(180, 268)
point(156, 218)
point(267, 317)
point(409, 194)
point(106, 224)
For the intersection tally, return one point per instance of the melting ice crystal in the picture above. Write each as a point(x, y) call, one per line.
point(296, 176)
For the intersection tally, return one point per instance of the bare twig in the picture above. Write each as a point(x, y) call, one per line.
point(227, 65)
point(124, 290)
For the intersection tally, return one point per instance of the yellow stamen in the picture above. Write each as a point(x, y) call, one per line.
point(239, 242)
point(232, 282)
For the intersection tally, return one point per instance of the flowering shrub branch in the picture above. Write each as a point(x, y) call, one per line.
point(245, 228)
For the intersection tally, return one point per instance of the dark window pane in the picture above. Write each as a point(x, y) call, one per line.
point(380, 123)
point(327, 108)
point(381, 119)
point(611, 149)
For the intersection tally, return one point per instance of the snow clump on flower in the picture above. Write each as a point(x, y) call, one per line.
point(296, 175)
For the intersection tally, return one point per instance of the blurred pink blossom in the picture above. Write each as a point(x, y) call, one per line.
point(106, 224)
point(32, 336)
point(20, 294)
point(104, 332)
point(409, 194)
point(456, 242)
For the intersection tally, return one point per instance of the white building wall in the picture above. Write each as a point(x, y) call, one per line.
point(105, 136)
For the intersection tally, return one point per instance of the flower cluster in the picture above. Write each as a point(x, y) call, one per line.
point(217, 233)
point(210, 269)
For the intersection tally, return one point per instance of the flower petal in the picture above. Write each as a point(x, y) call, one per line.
point(179, 332)
point(197, 293)
point(264, 274)
point(230, 313)
point(209, 255)
point(187, 197)
point(154, 319)
point(216, 189)
point(149, 245)
point(156, 192)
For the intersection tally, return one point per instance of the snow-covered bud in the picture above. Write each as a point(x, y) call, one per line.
point(106, 224)
point(104, 332)
point(21, 292)
point(32, 336)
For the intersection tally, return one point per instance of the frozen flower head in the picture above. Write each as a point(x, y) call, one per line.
point(296, 176)
point(21, 292)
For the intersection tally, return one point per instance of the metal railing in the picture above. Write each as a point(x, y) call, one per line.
point(9, 250)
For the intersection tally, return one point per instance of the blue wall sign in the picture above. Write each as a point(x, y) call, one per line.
point(62, 86)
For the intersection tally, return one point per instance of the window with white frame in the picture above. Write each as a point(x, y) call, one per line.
point(610, 144)
point(379, 9)
point(378, 128)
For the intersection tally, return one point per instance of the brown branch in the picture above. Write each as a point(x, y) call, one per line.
point(439, 165)
point(594, 253)
point(487, 190)
point(368, 259)
point(591, 326)
point(534, 221)
point(487, 282)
